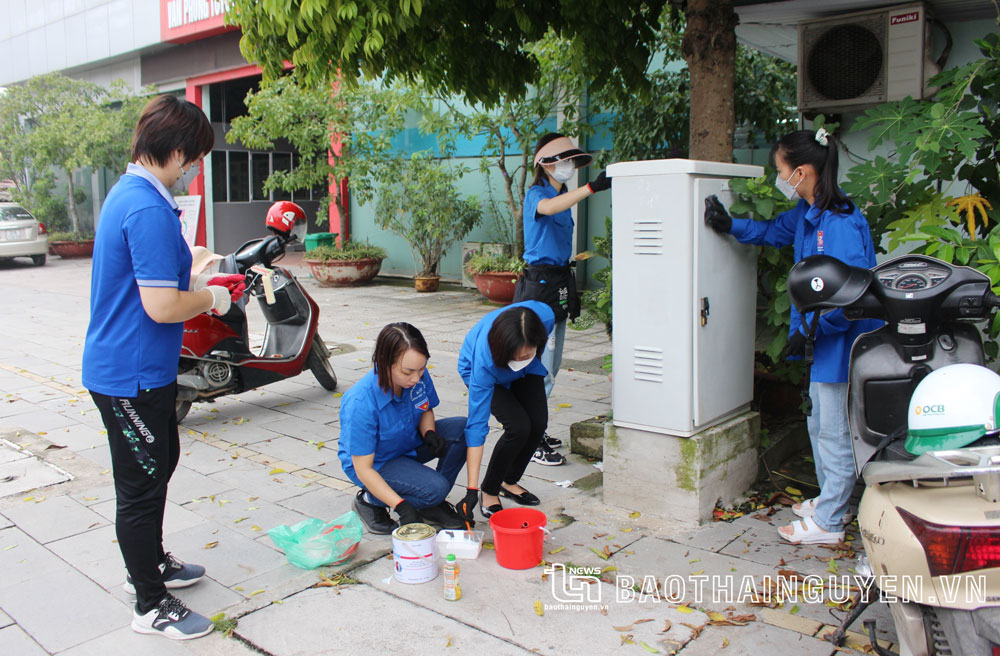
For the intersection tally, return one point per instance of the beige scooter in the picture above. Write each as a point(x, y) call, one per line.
point(930, 524)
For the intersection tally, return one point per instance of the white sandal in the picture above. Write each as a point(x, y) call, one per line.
point(805, 509)
point(806, 531)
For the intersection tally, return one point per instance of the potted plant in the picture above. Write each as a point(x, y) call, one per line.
point(71, 244)
point(420, 202)
point(344, 265)
point(495, 275)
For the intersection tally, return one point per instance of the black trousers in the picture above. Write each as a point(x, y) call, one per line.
point(145, 447)
point(524, 415)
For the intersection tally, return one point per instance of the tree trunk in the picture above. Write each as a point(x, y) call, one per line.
point(709, 46)
point(74, 219)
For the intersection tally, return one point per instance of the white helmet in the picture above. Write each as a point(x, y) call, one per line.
point(952, 407)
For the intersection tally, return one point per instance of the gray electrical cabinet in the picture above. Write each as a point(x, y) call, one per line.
point(684, 299)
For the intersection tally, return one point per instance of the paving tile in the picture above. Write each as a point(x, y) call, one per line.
point(54, 518)
point(251, 476)
point(96, 554)
point(346, 621)
point(68, 594)
point(187, 484)
point(126, 642)
point(13, 640)
point(298, 451)
point(250, 518)
point(233, 560)
point(324, 503)
point(78, 437)
point(43, 420)
point(28, 474)
point(755, 638)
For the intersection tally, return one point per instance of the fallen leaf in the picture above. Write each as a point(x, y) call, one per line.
point(558, 405)
point(212, 545)
point(626, 530)
point(684, 609)
point(257, 592)
point(634, 515)
point(241, 519)
point(794, 491)
point(488, 545)
point(725, 642)
point(697, 629)
point(256, 528)
point(600, 554)
point(667, 627)
point(700, 571)
point(556, 550)
point(539, 610)
point(794, 609)
point(217, 617)
point(833, 568)
point(642, 621)
point(651, 650)
point(622, 629)
point(277, 470)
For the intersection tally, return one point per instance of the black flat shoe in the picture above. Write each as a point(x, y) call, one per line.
point(488, 511)
point(442, 515)
point(525, 498)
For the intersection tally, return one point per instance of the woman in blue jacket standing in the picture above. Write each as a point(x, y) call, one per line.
point(548, 246)
point(499, 363)
point(824, 221)
point(388, 432)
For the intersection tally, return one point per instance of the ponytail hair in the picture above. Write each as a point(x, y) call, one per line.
point(540, 176)
point(803, 147)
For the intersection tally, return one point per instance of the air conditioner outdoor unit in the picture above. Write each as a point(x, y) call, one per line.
point(862, 59)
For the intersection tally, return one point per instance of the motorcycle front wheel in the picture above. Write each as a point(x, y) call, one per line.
point(320, 366)
point(182, 407)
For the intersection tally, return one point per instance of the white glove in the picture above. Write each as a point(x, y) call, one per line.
point(221, 299)
point(201, 282)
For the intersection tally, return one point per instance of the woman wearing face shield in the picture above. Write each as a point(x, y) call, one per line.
point(823, 221)
point(499, 362)
point(548, 246)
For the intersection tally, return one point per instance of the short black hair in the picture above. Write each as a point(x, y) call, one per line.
point(512, 329)
point(168, 123)
point(395, 340)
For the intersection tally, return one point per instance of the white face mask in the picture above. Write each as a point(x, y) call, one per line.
point(564, 170)
point(786, 187)
point(187, 177)
point(518, 365)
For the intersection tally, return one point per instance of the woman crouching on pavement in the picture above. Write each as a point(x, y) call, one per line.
point(499, 362)
point(388, 432)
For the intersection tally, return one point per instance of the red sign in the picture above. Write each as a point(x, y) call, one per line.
point(189, 20)
point(899, 19)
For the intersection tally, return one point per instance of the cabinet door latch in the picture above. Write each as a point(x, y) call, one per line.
point(704, 310)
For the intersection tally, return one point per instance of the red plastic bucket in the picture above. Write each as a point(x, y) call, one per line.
point(517, 537)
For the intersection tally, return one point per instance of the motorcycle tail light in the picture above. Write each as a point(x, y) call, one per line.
point(41, 228)
point(955, 549)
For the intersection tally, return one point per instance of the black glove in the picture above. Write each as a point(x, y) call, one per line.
point(436, 443)
point(716, 216)
point(407, 513)
point(797, 344)
point(601, 183)
point(466, 506)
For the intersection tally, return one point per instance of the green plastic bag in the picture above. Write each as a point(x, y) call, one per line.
point(313, 542)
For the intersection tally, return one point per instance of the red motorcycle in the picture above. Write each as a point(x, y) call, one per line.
point(216, 357)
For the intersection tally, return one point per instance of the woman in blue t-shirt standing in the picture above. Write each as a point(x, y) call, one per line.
point(139, 300)
point(388, 432)
point(499, 362)
point(823, 221)
point(548, 246)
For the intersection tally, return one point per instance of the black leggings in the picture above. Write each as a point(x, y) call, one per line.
point(145, 447)
point(524, 415)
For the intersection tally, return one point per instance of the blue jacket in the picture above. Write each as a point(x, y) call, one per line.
point(846, 237)
point(548, 239)
point(475, 366)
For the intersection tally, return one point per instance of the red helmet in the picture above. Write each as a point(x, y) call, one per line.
point(283, 215)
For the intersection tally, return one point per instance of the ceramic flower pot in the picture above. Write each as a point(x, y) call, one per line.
point(344, 273)
point(496, 286)
point(426, 283)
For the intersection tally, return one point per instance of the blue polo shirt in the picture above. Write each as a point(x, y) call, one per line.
point(548, 238)
point(475, 366)
point(138, 243)
point(373, 420)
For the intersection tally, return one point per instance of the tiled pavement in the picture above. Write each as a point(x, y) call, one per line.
point(268, 457)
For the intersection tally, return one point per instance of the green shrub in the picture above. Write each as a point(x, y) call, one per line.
point(348, 251)
point(490, 263)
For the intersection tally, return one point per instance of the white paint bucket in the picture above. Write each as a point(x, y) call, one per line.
point(414, 553)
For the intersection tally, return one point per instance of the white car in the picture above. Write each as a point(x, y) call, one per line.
point(21, 235)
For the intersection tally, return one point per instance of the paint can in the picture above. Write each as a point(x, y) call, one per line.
point(414, 553)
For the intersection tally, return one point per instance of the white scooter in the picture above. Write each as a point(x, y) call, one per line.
point(930, 523)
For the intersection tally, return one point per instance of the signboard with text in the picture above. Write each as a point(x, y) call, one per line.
point(188, 20)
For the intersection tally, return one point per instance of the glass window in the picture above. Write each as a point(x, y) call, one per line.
point(215, 103)
point(260, 164)
point(220, 180)
point(14, 213)
point(239, 176)
point(282, 162)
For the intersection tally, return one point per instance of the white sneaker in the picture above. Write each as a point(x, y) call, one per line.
point(172, 619)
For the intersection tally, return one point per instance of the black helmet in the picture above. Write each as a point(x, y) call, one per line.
point(819, 282)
